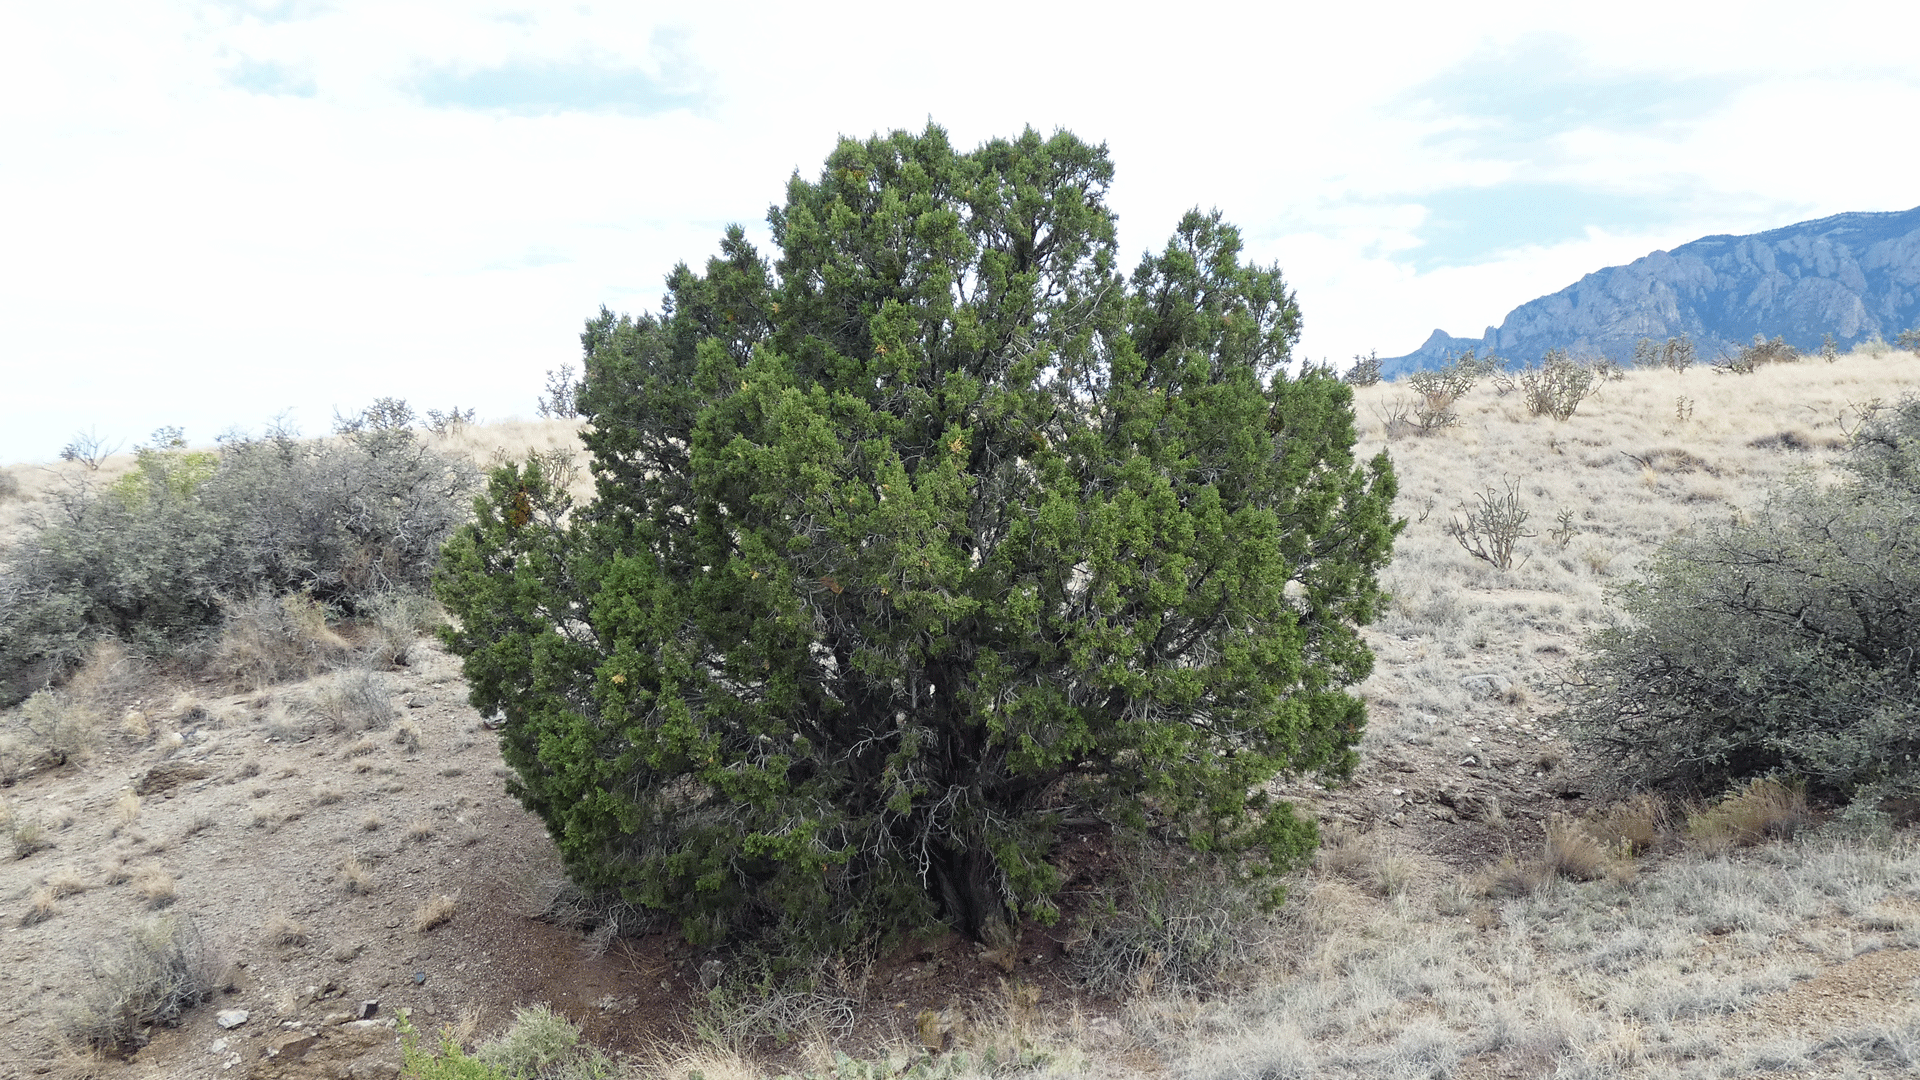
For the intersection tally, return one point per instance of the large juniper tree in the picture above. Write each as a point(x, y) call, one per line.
point(922, 540)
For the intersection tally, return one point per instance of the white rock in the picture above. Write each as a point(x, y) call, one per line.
point(231, 1018)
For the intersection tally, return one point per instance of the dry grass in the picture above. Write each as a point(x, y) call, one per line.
point(283, 929)
point(1572, 852)
point(406, 734)
point(366, 744)
point(328, 795)
point(371, 822)
point(356, 875)
point(1639, 823)
point(66, 881)
point(437, 911)
point(1765, 809)
point(154, 886)
point(42, 905)
point(421, 830)
point(126, 809)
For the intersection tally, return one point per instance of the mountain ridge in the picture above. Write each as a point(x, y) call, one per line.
point(1854, 275)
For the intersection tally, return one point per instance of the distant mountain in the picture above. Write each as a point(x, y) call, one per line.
point(1851, 275)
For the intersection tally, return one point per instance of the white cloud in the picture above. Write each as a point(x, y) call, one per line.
point(214, 211)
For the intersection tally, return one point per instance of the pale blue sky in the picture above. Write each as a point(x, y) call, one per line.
point(212, 213)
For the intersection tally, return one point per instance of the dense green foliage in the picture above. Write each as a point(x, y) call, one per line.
point(154, 558)
point(932, 535)
point(1785, 641)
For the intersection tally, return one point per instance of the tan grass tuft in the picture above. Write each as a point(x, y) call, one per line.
point(154, 885)
point(41, 906)
point(421, 830)
point(328, 795)
point(356, 875)
point(1572, 852)
point(371, 822)
point(434, 912)
point(284, 929)
point(126, 809)
point(1639, 823)
point(1765, 809)
point(66, 882)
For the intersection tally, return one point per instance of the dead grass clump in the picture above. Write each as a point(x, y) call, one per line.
point(27, 836)
point(1510, 878)
point(50, 729)
point(1638, 823)
point(270, 640)
point(400, 619)
point(355, 700)
point(286, 722)
point(66, 882)
point(135, 725)
point(41, 906)
point(110, 677)
point(126, 809)
point(284, 929)
point(365, 745)
point(1766, 809)
point(356, 875)
point(154, 885)
point(437, 911)
point(153, 977)
point(328, 795)
point(1572, 852)
point(406, 734)
point(371, 822)
point(421, 830)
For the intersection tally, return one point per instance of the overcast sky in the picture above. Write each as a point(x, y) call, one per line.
point(214, 213)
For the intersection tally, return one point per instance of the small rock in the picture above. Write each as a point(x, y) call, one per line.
point(419, 977)
point(367, 1009)
point(218, 1046)
point(228, 1019)
point(1486, 684)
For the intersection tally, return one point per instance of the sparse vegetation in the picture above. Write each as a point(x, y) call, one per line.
point(156, 973)
point(435, 911)
point(154, 886)
point(158, 557)
point(357, 876)
point(1558, 386)
point(1365, 370)
point(1779, 642)
point(1492, 532)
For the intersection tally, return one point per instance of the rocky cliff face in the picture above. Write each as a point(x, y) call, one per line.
point(1851, 275)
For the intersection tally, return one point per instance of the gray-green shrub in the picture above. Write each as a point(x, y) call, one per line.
point(1788, 642)
point(156, 558)
point(156, 973)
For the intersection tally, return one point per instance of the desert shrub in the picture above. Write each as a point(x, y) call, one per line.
point(265, 640)
point(1750, 358)
point(1439, 389)
point(1365, 370)
point(9, 486)
point(561, 400)
point(1784, 643)
point(157, 973)
point(542, 1043)
point(399, 620)
point(916, 533)
point(1491, 532)
point(356, 699)
point(1171, 920)
point(55, 728)
point(156, 558)
point(1558, 386)
point(1910, 339)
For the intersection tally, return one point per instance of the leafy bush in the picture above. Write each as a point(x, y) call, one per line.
point(1783, 643)
point(157, 973)
point(159, 558)
point(907, 541)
